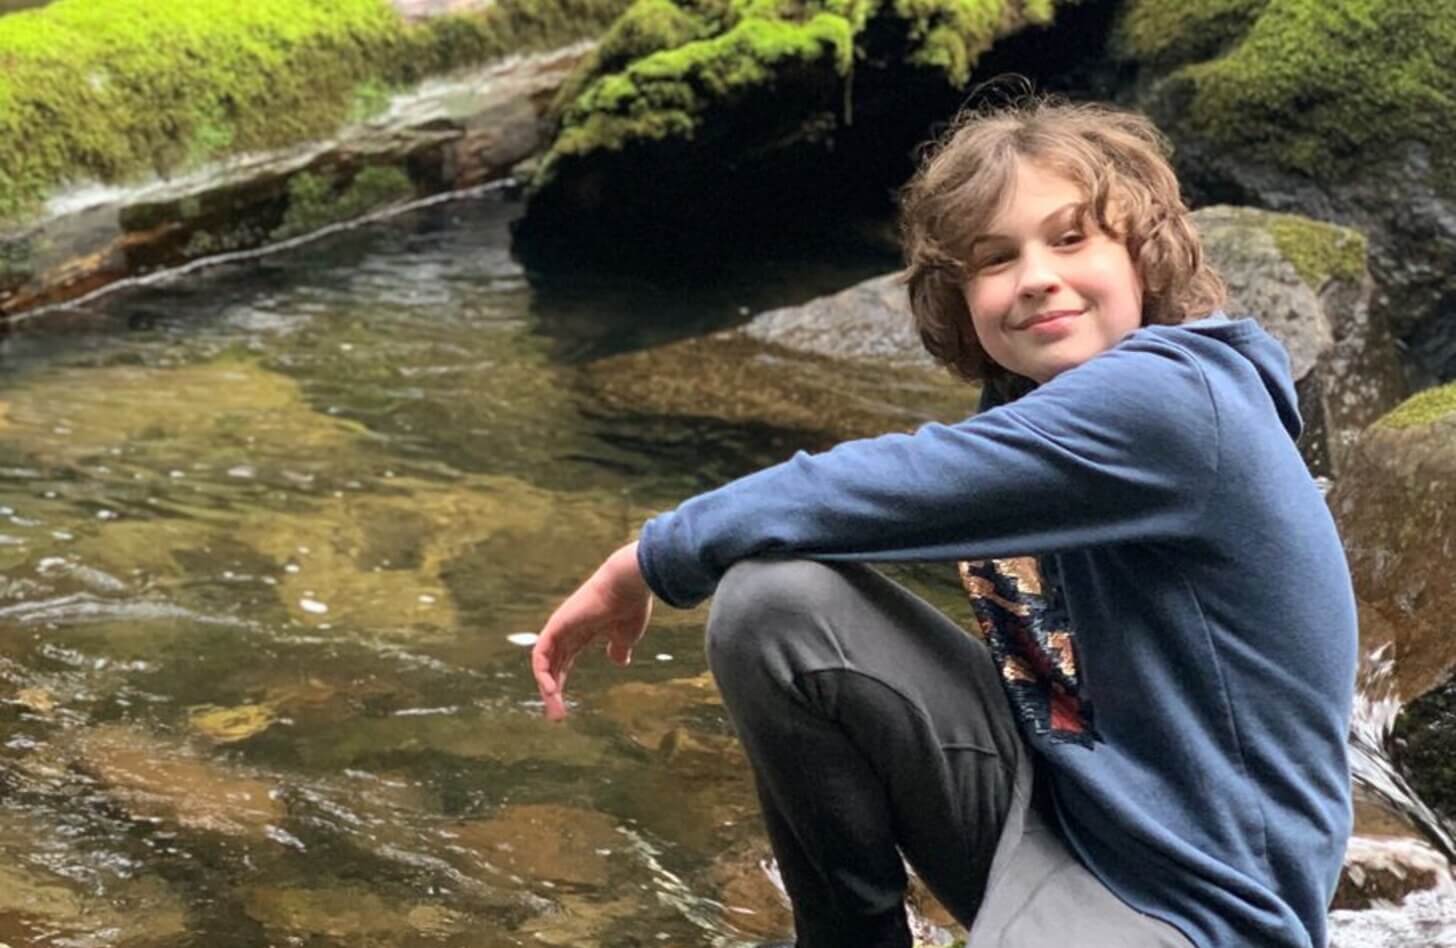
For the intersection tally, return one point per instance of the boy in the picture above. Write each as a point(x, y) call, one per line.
point(1170, 663)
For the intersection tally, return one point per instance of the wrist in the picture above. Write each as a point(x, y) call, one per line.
point(625, 574)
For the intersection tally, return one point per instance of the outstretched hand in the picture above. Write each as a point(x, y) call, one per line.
point(614, 604)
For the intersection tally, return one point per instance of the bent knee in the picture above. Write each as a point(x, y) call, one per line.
point(757, 599)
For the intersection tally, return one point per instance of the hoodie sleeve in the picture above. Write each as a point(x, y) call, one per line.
point(1123, 448)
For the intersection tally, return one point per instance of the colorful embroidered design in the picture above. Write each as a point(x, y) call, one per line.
point(1031, 640)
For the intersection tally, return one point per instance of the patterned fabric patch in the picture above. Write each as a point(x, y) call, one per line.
point(1030, 636)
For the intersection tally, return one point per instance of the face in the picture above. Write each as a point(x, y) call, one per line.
point(1048, 291)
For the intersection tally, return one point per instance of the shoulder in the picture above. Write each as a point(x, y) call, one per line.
point(1153, 372)
point(1146, 402)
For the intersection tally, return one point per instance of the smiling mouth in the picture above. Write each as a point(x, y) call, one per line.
point(1050, 316)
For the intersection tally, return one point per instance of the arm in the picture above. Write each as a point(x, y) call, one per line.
point(1123, 448)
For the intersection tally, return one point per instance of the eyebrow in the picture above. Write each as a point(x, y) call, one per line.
point(1079, 207)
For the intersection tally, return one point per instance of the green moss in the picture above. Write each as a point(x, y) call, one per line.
point(371, 98)
point(314, 201)
point(667, 64)
point(950, 34)
point(1177, 31)
point(1423, 408)
point(206, 243)
point(1320, 252)
point(114, 89)
point(663, 94)
point(1325, 87)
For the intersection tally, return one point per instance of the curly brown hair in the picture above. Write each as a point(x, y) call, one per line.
point(1120, 161)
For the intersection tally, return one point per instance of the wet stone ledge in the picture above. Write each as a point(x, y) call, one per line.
point(444, 136)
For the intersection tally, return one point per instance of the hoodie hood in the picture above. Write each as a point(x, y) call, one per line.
point(1244, 336)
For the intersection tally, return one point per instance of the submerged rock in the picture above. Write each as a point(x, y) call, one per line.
point(153, 779)
point(648, 712)
point(352, 913)
point(752, 902)
point(38, 907)
point(221, 412)
point(229, 725)
point(544, 841)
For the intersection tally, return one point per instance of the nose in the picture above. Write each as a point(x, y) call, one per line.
point(1038, 275)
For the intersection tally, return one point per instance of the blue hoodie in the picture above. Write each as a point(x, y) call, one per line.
point(1201, 573)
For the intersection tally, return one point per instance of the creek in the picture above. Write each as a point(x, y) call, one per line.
point(271, 534)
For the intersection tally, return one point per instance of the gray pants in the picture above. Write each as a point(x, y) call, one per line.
point(878, 727)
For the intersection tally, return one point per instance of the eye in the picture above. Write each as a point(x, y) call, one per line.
point(992, 260)
point(1070, 238)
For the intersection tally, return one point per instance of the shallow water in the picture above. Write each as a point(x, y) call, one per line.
point(266, 533)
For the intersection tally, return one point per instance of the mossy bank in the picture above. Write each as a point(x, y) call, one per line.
point(115, 90)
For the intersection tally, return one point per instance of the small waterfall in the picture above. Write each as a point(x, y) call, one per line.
point(1376, 708)
point(1426, 919)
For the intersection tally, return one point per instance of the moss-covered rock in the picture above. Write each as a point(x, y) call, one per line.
point(716, 108)
point(1313, 85)
point(1340, 109)
point(1161, 32)
point(110, 90)
point(1319, 252)
point(1423, 409)
point(313, 202)
point(1396, 508)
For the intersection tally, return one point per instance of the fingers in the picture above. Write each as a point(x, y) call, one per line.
point(597, 609)
point(548, 682)
point(619, 652)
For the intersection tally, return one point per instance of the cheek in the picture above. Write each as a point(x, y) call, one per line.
point(987, 301)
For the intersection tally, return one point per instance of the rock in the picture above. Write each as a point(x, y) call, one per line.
point(869, 322)
point(815, 399)
point(648, 711)
point(543, 841)
point(229, 725)
point(1382, 870)
point(744, 880)
point(1339, 111)
point(1306, 282)
point(1395, 505)
point(753, 118)
point(352, 913)
point(444, 136)
point(152, 779)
